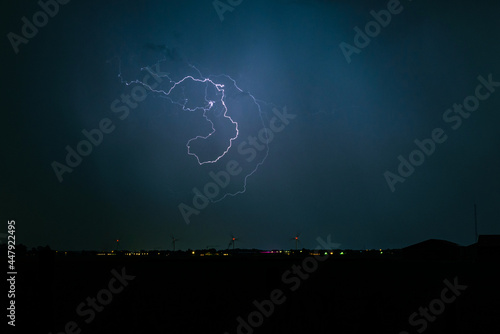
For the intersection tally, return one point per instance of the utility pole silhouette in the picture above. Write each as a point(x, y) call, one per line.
point(233, 239)
point(296, 238)
point(475, 221)
point(173, 242)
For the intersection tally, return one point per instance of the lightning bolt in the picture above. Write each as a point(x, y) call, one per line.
point(210, 80)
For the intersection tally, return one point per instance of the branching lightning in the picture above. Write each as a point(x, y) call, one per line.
point(210, 81)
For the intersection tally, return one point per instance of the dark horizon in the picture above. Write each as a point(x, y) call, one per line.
point(333, 247)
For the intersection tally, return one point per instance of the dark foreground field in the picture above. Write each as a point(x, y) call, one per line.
point(208, 294)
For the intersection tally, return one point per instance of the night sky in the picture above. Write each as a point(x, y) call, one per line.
point(353, 104)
